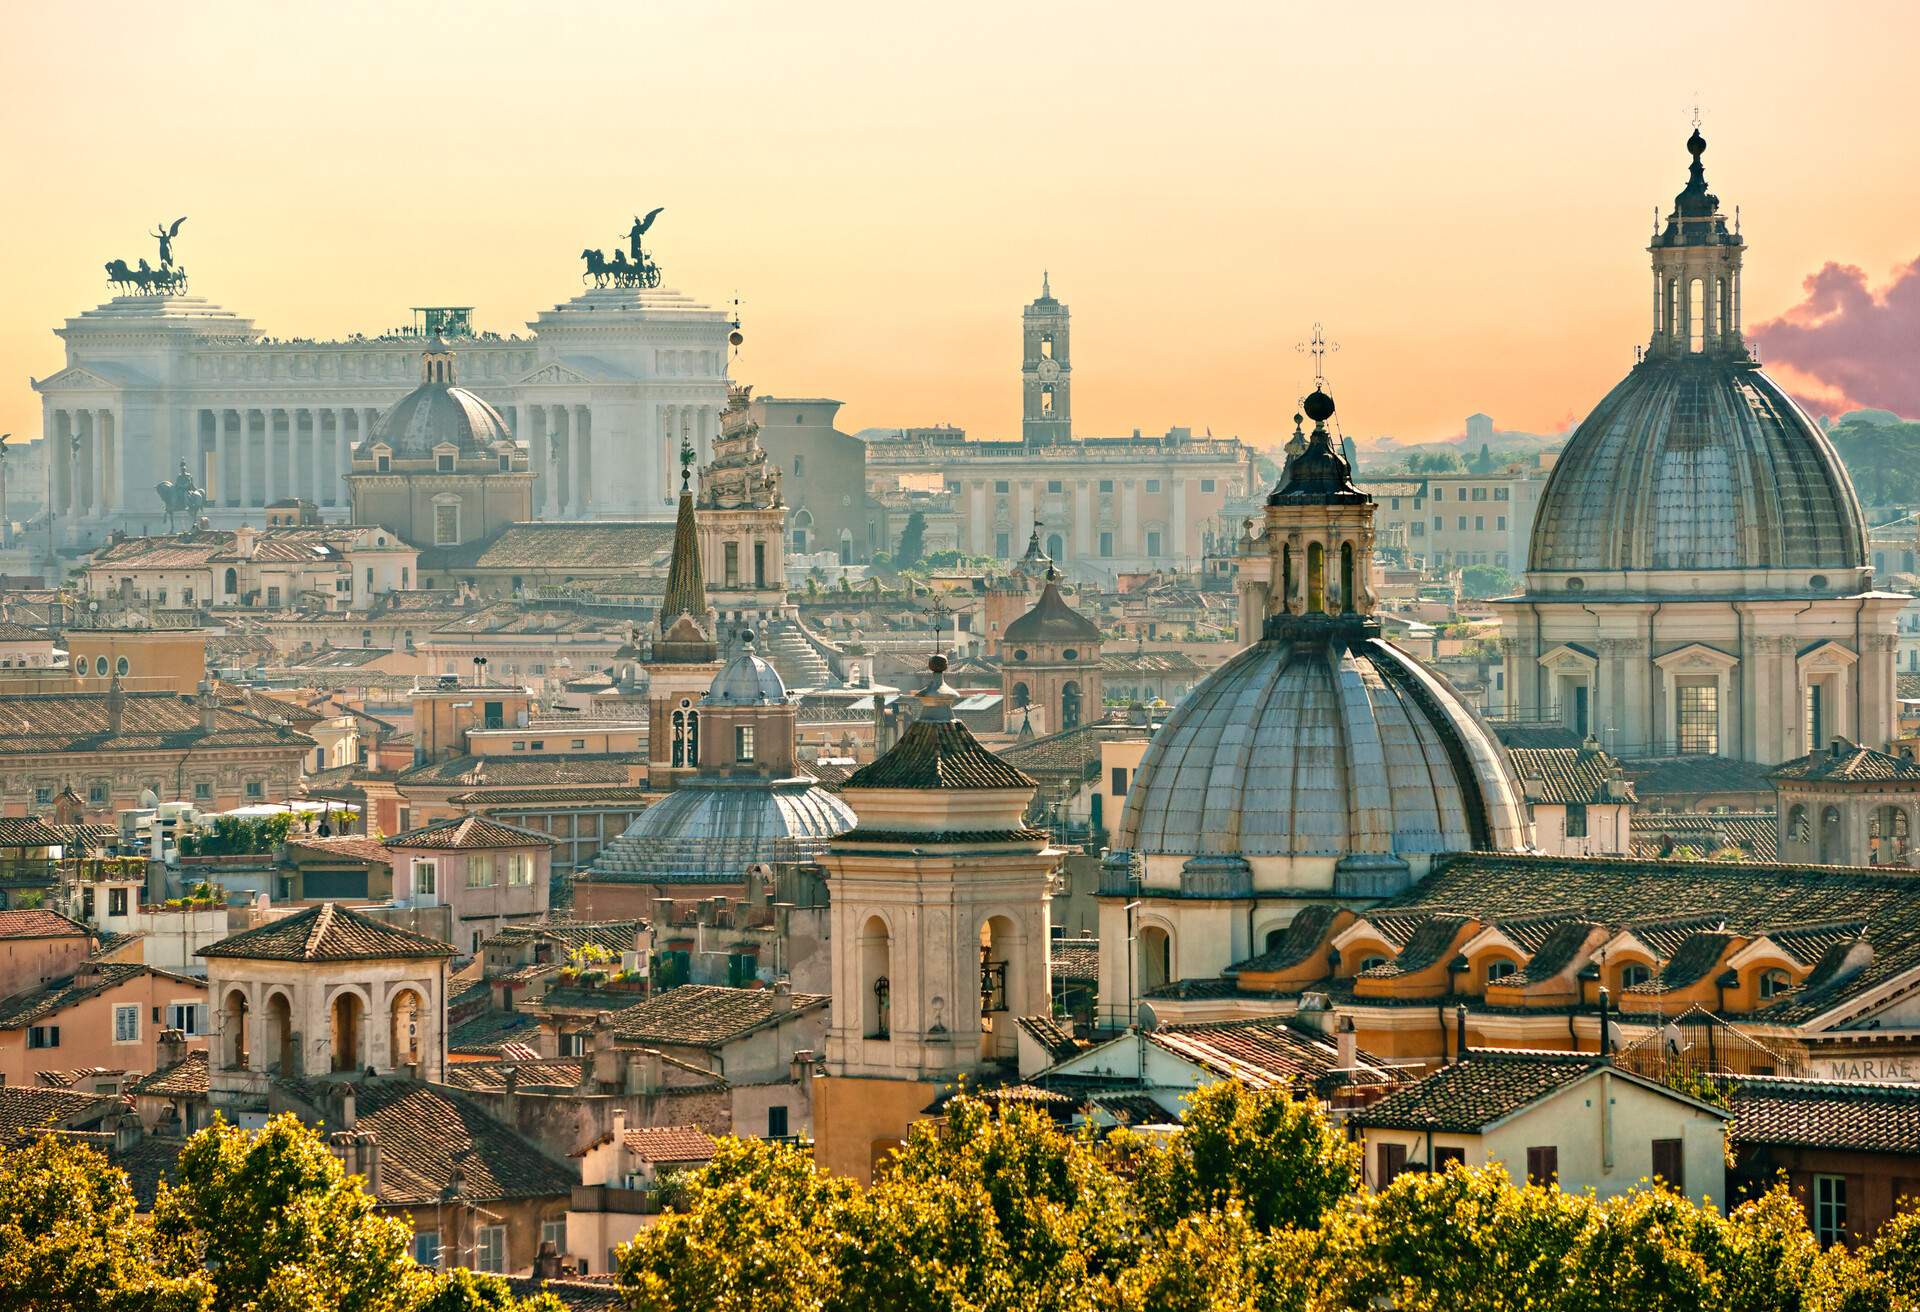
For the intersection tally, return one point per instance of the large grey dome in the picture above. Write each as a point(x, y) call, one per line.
point(440, 411)
point(1694, 463)
point(709, 831)
point(746, 680)
point(1305, 746)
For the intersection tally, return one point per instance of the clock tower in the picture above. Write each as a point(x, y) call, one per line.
point(1046, 371)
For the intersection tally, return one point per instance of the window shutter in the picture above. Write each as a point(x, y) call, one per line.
point(1543, 1165)
point(1669, 1163)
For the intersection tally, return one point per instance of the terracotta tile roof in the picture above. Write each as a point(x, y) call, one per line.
point(1828, 1114)
point(1054, 1039)
point(27, 831)
point(328, 932)
point(36, 922)
point(424, 1132)
point(35, 1005)
point(529, 619)
point(352, 847)
point(544, 546)
point(25, 1112)
point(1073, 753)
point(1469, 1096)
point(1514, 734)
point(1690, 963)
point(1301, 938)
point(12, 632)
point(469, 833)
point(704, 1015)
point(1553, 953)
point(1430, 944)
point(1690, 776)
point(613, 935)
point(1267, 1052)
point(529, 1073)
point(1846, 762)
point(150, 1160)
point(39, 724)
point(185, 1079)
point(576, 1293)
point(1562, 776)
point(1756, 833)
point(484, 1034)
point(577, 768)
point(593, 796)
point(1076, 959)
point(938, 754)
point(671, 1144)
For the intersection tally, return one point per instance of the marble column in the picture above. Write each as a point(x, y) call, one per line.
point(109, 438)
point(581, 421)
point(245, 498)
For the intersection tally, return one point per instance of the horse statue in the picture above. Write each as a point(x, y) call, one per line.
point(596, 267)
point(181, 496)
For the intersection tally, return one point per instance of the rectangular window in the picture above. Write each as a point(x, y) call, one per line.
point(1153, 542)
point(1500, 523)
point(1419, 528)
point(1002, 545)
point(490, 1249)
point(1395, 501)
point(1106, 485)
point(426, 1248)
point(446, 526)
point(203, 792)
point(1543, 1165)
point(759, 564)
point(743, 744)
point(1153, 485)
point(579, 744)
point(538, 745)
point(1119, 788)
point(190, 1018)
point(1106, 544)
point(1443, 1156)
point(43, 1036)
point(43, 795)
point(519, 868)
point(1390, 1159)
point(426, 878)
point(1697, 715)
point(1053, 485)
point(1500, 494)
point(1002, 486)
point(256, 789)
point(1479, 494)
point(97, 793)
point(1206, 485)
point(1830, 1208)
point(494, 714)
point(480, 870)
point(126, 1024)
point(1463, 523)
point(1576, 820)
point(555, 1233)
point(1669, 1163)
point(273, 597)
point(444, 464)
point(1439, 522)
point(730, 554)
point(116, 901)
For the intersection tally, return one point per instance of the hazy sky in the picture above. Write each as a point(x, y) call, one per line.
point(1461, 192)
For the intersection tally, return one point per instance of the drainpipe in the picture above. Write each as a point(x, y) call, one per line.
point(1740, 670)
point(1606, 1089)
point(1460, 1029)
point(1859, 613)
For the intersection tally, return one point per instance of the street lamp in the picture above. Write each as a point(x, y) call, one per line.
point(479, 671)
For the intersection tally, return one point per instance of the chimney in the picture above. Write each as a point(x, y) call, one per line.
point(512, 1094)
point(208, 704)
point(127, 1132)
point(170, 1049)
point(370, 1159)
point(349, 1108)
point(546, 1264)
point(1346, 1044)
point(619, 1126)
point(1605, 1000)
point(606, 1062)
point(116, 706)
point(782, 997)
point(1460, 1031)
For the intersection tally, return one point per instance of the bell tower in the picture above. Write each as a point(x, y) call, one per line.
point(1046, 371)
point(1696, 272)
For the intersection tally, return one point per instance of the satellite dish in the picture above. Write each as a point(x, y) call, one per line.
point(1148, 1020)
point(149, 799)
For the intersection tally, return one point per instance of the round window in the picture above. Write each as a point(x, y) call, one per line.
point(120, 666)
point(1071, 654)
point(1020, 654)
point(100, 665)
point(1576, 585)
point(1817, 581)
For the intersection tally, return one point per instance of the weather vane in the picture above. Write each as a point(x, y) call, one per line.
point(1317, 346)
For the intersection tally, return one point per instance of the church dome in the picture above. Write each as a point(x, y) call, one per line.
point(1052, 620)
point(1697, 462)
point(746, 680)
point(440, 411)
point(710, 831)
point(1322, 741)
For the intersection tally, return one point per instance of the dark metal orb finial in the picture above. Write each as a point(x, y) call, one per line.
point(937, 663)
point(1318, 405)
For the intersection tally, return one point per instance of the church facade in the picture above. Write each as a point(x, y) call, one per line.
point(1698, 580)
point(600, 392)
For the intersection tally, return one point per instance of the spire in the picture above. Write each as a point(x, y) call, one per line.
point(686, 591)
point(1696, 272)
point(1046, 286)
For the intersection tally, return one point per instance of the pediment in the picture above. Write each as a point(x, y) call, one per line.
point(553, 373)
point(1568, 655)
point(75, 379)
point(1828, 655)
point(1696, 656)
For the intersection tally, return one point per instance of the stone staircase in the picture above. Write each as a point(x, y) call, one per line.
point(793, 654)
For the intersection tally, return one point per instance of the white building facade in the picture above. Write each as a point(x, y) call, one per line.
point(600, 394)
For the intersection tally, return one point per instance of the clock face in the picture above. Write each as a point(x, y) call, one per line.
point(1048, 370)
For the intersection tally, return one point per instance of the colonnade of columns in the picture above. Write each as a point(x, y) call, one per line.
point(254, 456)
point(559, 441)
point(698, 422)
point(84, 461)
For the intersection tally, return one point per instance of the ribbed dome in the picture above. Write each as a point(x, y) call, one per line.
point(710, 831)
point(1052, 620)
point(1697, 463)
point(1306, 746)
point(439, 411)
point(746, 680)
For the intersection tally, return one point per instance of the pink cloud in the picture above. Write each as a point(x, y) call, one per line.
point(1846, 348)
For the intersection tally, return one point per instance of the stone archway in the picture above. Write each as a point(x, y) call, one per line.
point(277, 1046)
point(347, 1016)
point(235, 1014)
point(406, 1027)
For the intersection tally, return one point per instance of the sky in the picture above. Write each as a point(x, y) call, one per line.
point(1461, 193)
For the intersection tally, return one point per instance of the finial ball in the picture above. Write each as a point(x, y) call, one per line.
point(1318, 405)
point(1696, 144)
point(937, 663)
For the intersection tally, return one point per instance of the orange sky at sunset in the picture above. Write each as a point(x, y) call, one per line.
point(1462, 193)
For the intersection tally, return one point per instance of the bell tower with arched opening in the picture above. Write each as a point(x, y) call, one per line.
point(1046, 371)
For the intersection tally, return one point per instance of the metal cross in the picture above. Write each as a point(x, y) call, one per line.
point(1696, 111)
point(1317, 346)
point(940, 611)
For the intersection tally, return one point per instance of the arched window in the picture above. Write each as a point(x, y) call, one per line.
point(693, 739)
point(1369, 963)
point(347, 1013)
point(405, 1020)
point(1286, 577)
point(1773, 983)
point(1156, 958)
point(232, 581)
point(1887, 836)
point(1696, 314)
point(1056, 547)
point(1046, 399)
point(1799, 827)
point(1346, 577)
point(1634, 973)
point(1500, 969)
point(1070, 705)
point(1832, 841)
point(1274, 937)
point(876, 989)
point(279, 1036)
point(1022, 697)
point(233, 1023)
point(1316, 578)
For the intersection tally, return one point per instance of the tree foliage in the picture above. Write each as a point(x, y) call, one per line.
point(1482, 581)
point(913, 541)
